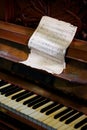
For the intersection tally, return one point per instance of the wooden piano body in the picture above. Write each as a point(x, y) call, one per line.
point(68, 88)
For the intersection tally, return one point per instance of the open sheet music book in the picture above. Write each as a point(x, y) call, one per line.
point(48, 45)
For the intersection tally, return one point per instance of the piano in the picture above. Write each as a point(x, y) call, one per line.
point(34, 99)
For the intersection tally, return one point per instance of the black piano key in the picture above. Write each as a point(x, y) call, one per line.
point(16, 89)
point(81, 123)
point(33, 100)
point(84, 127)
point(24, 96)
point(19, 95)
point(71, 119)
point(30, 100)
point(6, 89)
point(54, 109)
point(2, 83)
point(44, 101)
point(68, 115)
point(62, 113)
point(11, 88)
point(48, 107)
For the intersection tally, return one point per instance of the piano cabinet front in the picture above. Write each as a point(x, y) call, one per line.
point(10, 121)
point(26, 105)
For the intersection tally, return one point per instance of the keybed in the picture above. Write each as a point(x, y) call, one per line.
point(40, 110)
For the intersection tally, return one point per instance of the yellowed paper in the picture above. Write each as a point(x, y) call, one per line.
point(48, 45)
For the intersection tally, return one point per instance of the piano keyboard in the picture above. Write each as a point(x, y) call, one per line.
point(40, 110)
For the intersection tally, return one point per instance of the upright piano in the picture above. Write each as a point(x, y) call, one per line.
point(34, 99)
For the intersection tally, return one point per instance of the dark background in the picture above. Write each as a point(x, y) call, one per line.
point(29, 12)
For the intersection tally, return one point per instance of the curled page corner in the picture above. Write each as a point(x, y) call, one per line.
point(48, 45)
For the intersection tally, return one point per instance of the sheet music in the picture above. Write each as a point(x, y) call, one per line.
point(48, 45)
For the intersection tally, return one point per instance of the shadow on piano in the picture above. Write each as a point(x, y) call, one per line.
point(33, 98)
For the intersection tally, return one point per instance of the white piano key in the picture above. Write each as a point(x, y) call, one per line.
point(41, 116)
point(33, 113)
point(6, 85)
point(2, 97)
point(7, 100)
point(58, 123)
point(16, 104)
point(21, 106)
point(26, 111)
point(65, 126)
point(50, 120)
point(13, 103)
point(72, 124)
point(46, 121)
point(79, 128)
point(9, 97)
point(82, 127)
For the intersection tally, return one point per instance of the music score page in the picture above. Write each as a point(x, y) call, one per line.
point(48, 45)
